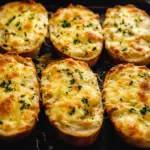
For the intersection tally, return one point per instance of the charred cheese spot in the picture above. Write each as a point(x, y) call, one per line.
point(17, 26)
point(76, 31)
point(19, 105)
point(77, 111)
point(127, 34)
point(127, 100)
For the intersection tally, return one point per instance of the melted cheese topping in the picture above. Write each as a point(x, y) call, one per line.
point(72, 97)
point(76, 31)
point(23, 26)
point(127, 34)
point(19, 94)
point(127, 100)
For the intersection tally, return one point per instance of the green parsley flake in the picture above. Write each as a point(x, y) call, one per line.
point(72, 81)
point(144, 110)
point(72, 111)
point(131, 83)
point(85, 100)
point(10, 20)
point(76, 41)
point(125, 49)
point(66, 24)
point(86, 112)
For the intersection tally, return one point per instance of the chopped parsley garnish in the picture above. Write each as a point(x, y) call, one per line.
point(22, 84)
point(125, 49)
point(64, 49)
point(3, 84)
point(28, 105)
point(65, 70)
point(121, 99)
point(24, 105)
point(17, 24)
point(143, 75)
point(8, 89)
point(115, 24)
point(76, 18)
point(79, 87)
point(85, 100)
point(122, 22)
point(72, 81)
point(21, 101)
point(22, 96)
point(89, 25)
point(94, 48)
point(6, 85)
point(144, 110)
point(76, 41)
point(1, 122)
point(19, 28)
point(130, 33)
point(32, 97)
point(131, 110)
point(72, 111)
point(86, 112)
point(80, 73)
point(89, 40)
point(69, 73)
point(66, 24)
point(131, 83)
point(10, 20)
point(6, 30)
point(119, 29)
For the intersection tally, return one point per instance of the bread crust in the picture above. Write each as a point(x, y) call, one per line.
point(127, 34)
point(75, 32)
point(129, 111)
point(19, 107)
point(81, 132)
point(24, 28)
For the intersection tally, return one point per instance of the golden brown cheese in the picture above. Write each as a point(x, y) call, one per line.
point(127, 99)
point(76, 32)
point(127, 34)
point(23, 27)
point(72, 98)
point(19, 95)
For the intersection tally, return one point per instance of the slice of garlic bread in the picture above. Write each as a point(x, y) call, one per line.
point(23, 27)
point(72, 101)
point(75, 31)
point(126, 96)
point(19, 96)
point(127, 34)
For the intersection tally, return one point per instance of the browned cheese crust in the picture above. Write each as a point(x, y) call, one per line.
point(19, 96)
point(72, 101)
point(23, 27)
point(126, 96)
point(75, 32)
point(127, 34)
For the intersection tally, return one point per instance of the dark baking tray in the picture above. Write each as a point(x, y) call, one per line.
point(44, 136)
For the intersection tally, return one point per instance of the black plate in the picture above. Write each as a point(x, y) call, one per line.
point(44, 136)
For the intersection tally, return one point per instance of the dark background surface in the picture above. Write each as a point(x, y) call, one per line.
point(44, 136)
